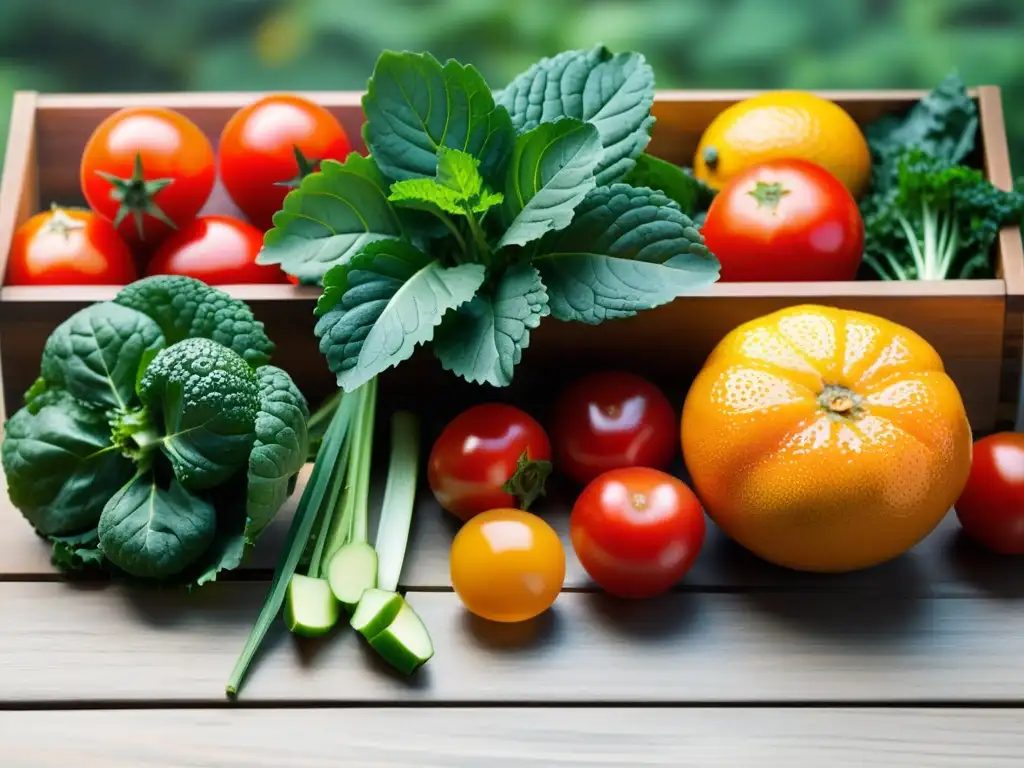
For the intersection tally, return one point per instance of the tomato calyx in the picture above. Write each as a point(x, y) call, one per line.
point(528, 481)
point(305, 167)
point(135, 195)
point(840, 402)
point(60, 224)
point(768, 195)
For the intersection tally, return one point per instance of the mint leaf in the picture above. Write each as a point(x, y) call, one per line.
point(331, 215)
point(483, 340)
point(458, 188)
point(459, 172)
point(414, 106)
point(614, 92)
point(388, 299)
point(627, 249)
point(426, 195)
point(552, 169)
point(692, 194)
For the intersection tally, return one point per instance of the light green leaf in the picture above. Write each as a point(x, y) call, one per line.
point(413, 106)
point(628, 249)
point(378, 308)
point(458, 188)
point(331, 215)
point(487, 201)
point(614, 92)
point(483, 340)
point(426, 195)
point(552, 169)
point(459, 172)
point(692, 195)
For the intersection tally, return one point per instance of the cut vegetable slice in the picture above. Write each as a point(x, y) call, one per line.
point(376, 610)
point(405, 644)
point(351, 571)
point(309, 607)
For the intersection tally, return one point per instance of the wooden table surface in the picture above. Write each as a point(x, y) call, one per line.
point(918, 664)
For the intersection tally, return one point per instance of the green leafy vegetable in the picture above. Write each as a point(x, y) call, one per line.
point(458, 188)
point(691, 194)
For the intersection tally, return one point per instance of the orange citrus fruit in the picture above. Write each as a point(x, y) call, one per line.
point(783, 124)
point(824, 439)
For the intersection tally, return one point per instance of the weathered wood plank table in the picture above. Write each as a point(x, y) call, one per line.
point(916, 664)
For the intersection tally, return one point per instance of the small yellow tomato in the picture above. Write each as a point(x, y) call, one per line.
point(507, 565)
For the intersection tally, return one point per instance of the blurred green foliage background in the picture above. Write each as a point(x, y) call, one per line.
point(160, 45)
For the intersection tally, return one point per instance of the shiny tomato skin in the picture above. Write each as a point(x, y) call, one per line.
point(478, 452)
point(69, 246)
point(813, 231)
point(636, 531)
point(218, 250)
point(256, 153)
point(507, 565)
point(612, 419)
point(991, 507)
point(171, 147)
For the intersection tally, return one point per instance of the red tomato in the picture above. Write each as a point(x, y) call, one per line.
point(609, 420)
point(149, 170)
point(217, 250)
point(991, 507)
point(488, 457)
point(268, 146)
point(788, 220)
point(67, 246)
point(636, 531)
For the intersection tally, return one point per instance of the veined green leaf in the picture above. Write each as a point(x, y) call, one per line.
point(458, 188)
point(414, 106)
point(692, 194)
point(331, 215)
point(483, 340)
point(614, 92)
point(627, 249)
point(426, 195)
point(552, 169)
point(385, 302)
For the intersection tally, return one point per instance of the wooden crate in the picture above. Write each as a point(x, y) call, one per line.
point(977, 326)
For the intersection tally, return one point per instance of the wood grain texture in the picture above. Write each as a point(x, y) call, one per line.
point(60, 642)
point(515, 738)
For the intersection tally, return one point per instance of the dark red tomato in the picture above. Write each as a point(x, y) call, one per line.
point(609, 420)
point(217, 250)
point(785, 220)
point(991, 507)
point(150, 170)
point(68, 246)
point(488, 457)
point(268, 146)
point(636, 531)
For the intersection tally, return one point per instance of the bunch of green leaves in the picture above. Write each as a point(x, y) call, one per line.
point(476, 216)
point(157, 441)
point(927, 215)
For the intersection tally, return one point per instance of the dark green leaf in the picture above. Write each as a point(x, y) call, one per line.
point(377, 309)
point(691, 194)
point(208, 398)
point(153, 532)
point(95, 353)
point(614, 92)
point(414, 106)
point(281, 446)
point(230, 543)
point(552, 168)
point(627, 249)
point(329, 217)
point(77, 553)
point(483, 340)
point(186, 308)
point(59, 470)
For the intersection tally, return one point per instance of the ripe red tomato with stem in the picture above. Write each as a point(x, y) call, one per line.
point(612, 419)
point(149, 170)
point(267, 147)
point(69, 246)
point(217, 250)
point(991, 507)
point(490, 456)
point(636, 531)
point(785, 220)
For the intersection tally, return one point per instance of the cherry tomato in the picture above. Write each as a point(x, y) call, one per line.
point(216, 250)
point(612, 419)
point(68, 246)
point(149, 170)
point(788, 220)
point(991, 507)
point(491, 455)
point(507, 565)
point(268, 146)
point(636, 531)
